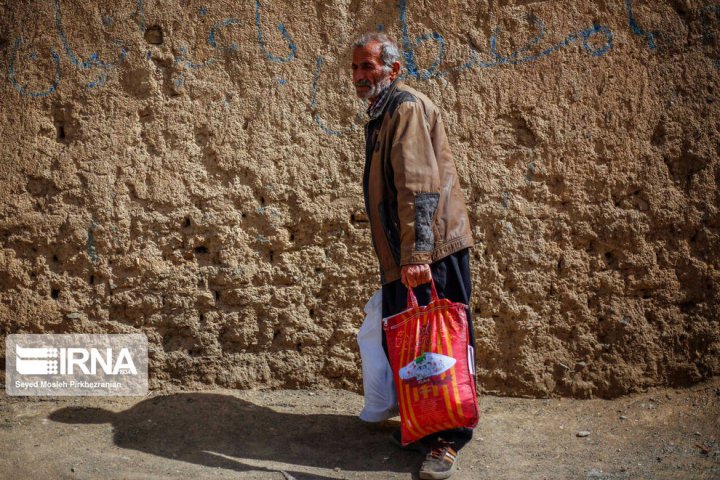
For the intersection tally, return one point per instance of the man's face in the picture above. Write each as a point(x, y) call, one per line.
point(370, 76)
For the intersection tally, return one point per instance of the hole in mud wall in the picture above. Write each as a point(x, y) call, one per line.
point(298, 347)
point(312, 313)
point(154, 35)
point(201, 249)
point(610, 259)
point(217, 294)
point(55, 259)
point(187, 223)
point(271, 255)
point(262, 201)
point(3, 43)
point(61, 132)
point(91, 280)
point(54, 293)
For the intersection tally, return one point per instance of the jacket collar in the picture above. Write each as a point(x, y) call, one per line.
point(378, 107)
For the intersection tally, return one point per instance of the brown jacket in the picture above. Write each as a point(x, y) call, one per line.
point(412, 194)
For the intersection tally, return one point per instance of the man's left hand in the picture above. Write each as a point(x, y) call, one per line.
point(413, 275)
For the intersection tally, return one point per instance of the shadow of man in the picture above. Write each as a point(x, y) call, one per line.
point(223, 431)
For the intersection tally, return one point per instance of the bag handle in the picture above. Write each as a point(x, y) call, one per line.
point(412, 299)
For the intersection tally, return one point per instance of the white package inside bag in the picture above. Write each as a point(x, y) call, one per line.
point(380, 396)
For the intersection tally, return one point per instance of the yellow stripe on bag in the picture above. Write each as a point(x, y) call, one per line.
point(418, 428)
point(446, 393)
point(418, 325)
point(404, 410)
point(448, 405)
point(413, 426)
point(453, 371)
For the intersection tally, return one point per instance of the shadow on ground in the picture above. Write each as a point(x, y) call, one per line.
point(223, 431)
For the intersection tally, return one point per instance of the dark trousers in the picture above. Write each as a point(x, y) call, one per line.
point(452, 281)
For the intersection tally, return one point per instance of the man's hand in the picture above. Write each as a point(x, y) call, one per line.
point(413, 275)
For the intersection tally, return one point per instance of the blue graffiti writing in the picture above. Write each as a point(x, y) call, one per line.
point(23, 89)
point(140, 14)
point(217, 27)
point(233, 47)
point(181, 58)
point(313, 99)
point(523, 55)
point(93, 61)
point(313, 103)
point(636, 28)
point(596, 41)
point(409, 47)
point(286, 36)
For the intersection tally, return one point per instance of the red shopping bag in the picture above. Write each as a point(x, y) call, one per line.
point(433, 368)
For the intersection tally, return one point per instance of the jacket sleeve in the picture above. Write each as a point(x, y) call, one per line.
point(417, 183)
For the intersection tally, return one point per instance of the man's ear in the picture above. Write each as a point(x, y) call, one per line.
point(396, 68)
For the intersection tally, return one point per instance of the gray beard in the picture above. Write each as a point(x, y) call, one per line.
point(378, 88)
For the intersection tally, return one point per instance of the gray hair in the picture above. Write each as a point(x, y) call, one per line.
point(389, 53)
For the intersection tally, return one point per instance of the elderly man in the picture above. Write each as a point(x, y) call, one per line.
point(418, 220)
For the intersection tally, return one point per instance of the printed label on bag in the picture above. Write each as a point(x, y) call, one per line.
point(426, 365)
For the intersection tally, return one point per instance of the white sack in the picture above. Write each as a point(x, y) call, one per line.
point(380, 396)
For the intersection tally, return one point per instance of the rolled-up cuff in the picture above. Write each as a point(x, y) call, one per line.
point(417, 258)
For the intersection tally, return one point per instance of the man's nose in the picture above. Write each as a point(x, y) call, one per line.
point(358, 75)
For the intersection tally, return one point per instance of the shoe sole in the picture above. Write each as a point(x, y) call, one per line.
point(438, 475)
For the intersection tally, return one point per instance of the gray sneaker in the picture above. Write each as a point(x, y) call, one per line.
point(440, 461)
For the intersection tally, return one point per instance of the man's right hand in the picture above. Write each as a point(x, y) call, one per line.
point(413, 275)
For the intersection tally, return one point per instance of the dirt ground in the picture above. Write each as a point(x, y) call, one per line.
point(291, 434)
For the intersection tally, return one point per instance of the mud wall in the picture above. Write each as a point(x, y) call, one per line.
point(192, 170)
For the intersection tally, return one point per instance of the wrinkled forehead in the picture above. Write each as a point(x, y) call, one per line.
point(372, 51)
